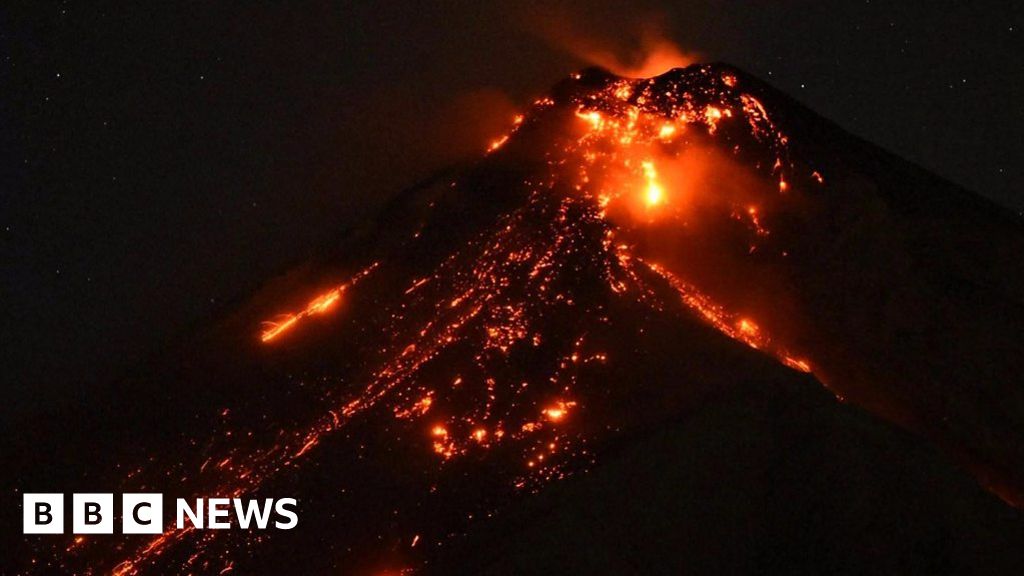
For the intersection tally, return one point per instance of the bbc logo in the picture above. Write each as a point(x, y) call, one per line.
point(92, 513)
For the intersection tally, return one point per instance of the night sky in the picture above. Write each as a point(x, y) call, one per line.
point(157, 166)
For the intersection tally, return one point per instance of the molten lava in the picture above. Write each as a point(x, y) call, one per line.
point(319, 305)
point(665, 197)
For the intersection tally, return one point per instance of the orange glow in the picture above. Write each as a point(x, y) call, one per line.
point(319, 305)
point(738, 328)
point(661, 56)
point(747, 327)
point(641, 47)
point(558, 411)
point(593, 117)
point(632, 136)
point(323, 303)
point(307, 446)
point(275, 328)
point(797, 364)
point(654, 194)
point(495, 144)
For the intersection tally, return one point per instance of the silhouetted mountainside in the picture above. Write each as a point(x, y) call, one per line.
point(601, 348)
point(772, 478)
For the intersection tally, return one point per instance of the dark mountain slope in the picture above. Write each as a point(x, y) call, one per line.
point(772, 478)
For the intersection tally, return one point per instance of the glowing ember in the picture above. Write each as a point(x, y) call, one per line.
point(558, 412)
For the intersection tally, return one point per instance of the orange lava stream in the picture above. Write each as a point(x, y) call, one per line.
point(319, 305)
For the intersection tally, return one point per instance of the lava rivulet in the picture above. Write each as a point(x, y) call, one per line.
point(319, 305)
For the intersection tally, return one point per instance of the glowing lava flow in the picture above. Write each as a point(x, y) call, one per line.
point(481, 303)
point(733, 326)
point(533, 284)
point(319, 305)
point(627, 124)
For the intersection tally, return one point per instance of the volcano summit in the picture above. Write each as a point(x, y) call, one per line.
point(665, 324)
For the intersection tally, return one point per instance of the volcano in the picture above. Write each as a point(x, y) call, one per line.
point(669, 324)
